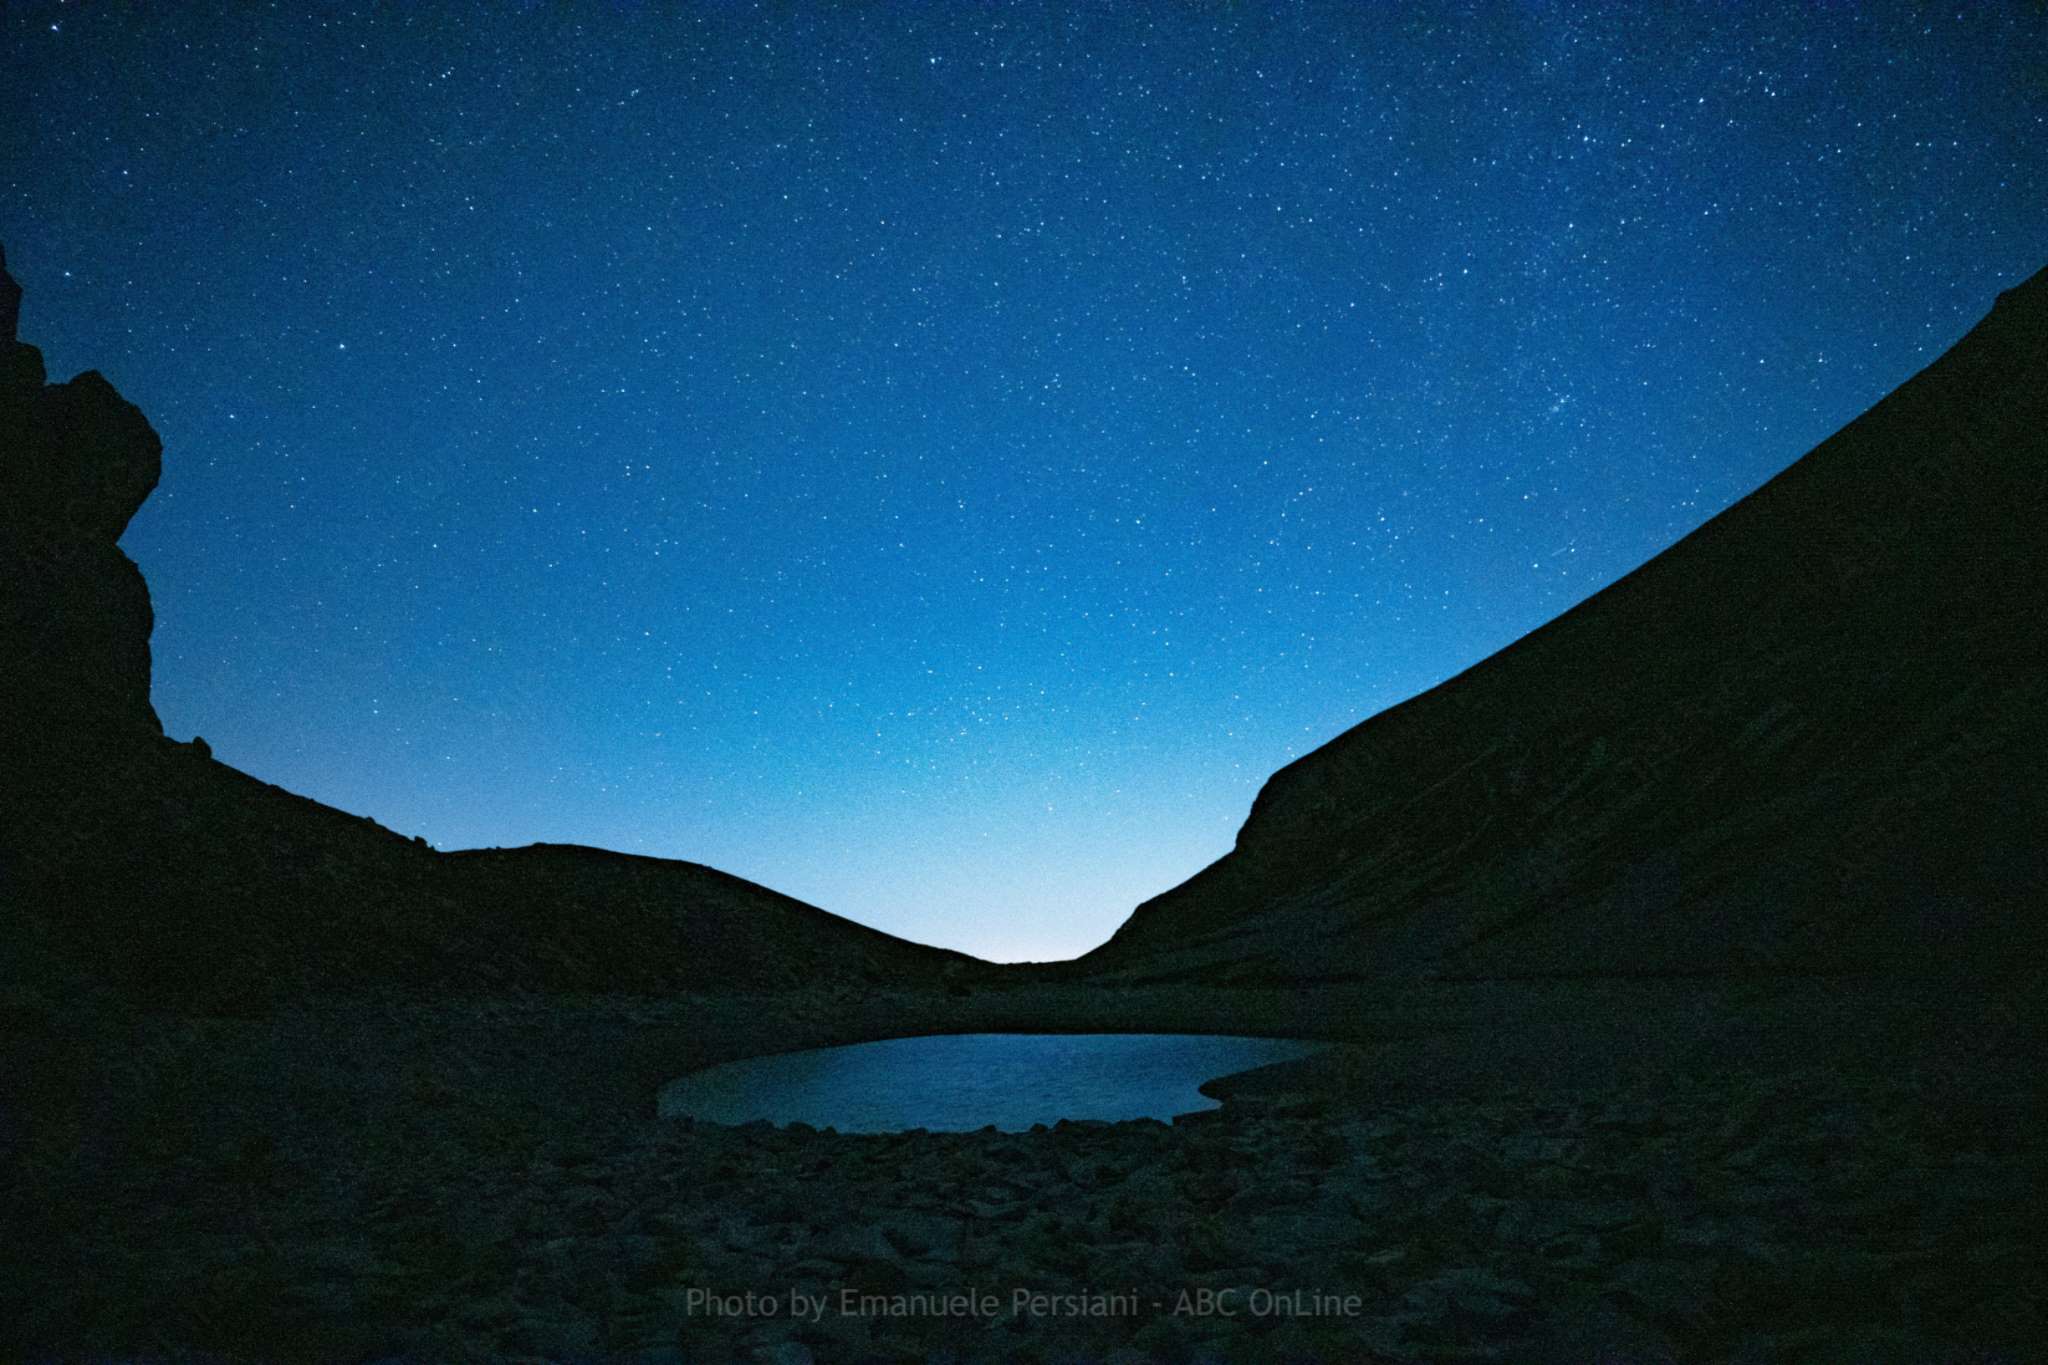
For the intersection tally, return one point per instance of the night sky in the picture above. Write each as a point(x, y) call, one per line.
point(937, 460)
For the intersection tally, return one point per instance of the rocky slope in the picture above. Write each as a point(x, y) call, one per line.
point(142, 865)
point(1808, 737)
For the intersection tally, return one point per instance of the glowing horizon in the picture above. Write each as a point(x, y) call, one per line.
point(939, 466)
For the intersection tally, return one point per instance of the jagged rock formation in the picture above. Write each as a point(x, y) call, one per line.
point(1808, 737)
point(135, 863)
point(76, 461)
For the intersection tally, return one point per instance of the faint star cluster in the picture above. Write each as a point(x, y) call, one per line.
point(938, 460)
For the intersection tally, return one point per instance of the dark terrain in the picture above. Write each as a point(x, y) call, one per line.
point(1806, 738)
point(1681, 955)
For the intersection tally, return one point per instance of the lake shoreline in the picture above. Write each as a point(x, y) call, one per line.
point(350, 1173)
point(962, 1082)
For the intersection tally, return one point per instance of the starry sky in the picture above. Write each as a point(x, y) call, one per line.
point(937, 460)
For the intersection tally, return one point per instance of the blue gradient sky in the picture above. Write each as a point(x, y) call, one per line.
point(937, 460)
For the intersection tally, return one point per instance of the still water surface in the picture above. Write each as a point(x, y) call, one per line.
point(957, 1082)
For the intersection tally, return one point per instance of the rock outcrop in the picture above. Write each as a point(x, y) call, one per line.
point(1808, 737)
point(133, 863)
point(10, 305)
point(76, 461)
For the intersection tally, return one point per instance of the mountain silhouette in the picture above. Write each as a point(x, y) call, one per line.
point(143, 865)
point(1808, 737)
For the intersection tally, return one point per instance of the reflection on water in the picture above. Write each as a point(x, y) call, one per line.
point(957, 1082)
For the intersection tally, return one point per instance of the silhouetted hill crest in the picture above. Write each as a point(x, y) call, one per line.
point(1805, 737)
point(141, 865)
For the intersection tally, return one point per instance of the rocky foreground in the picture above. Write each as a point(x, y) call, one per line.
point(484, 1182)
